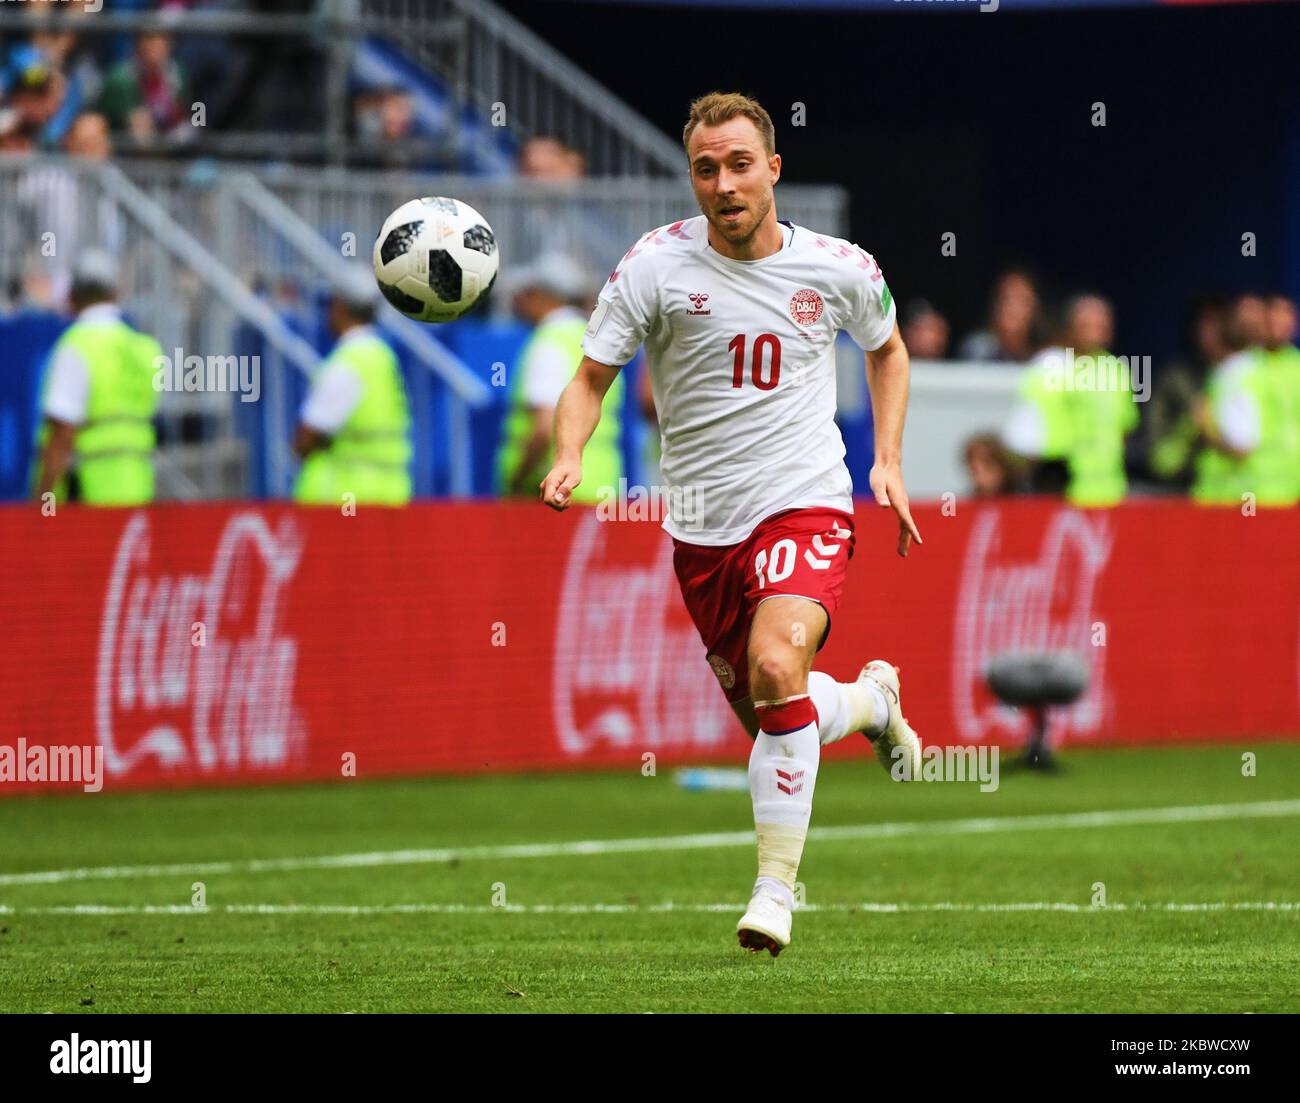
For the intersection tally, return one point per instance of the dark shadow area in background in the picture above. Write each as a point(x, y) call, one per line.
point(980, 124)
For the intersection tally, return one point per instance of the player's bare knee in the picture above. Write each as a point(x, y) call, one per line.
point(777, 672)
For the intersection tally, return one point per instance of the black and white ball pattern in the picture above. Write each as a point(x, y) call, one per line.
point(435, 258)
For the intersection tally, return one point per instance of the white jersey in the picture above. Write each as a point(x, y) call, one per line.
point(742, 362)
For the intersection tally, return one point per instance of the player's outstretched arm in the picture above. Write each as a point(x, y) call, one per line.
point(888, 372)
point(576, 416)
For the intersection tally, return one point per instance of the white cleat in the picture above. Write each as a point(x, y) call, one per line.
point(904, 764)
point(766, 926)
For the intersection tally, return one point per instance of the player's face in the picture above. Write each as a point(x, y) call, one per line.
point(733, 177)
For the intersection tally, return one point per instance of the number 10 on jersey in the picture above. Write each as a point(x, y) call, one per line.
point(765, 361)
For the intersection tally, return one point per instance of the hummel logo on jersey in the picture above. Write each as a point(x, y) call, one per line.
point(699, 298)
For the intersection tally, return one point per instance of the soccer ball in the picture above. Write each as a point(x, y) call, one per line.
point(435, 258)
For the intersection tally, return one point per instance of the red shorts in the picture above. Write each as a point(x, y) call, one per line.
point(796, 553)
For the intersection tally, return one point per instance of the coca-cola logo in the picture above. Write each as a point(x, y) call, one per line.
point(630, 671)
point(193, 670)
point(1041, 604)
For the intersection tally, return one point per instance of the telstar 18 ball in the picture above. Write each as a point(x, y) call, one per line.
point(435, 258)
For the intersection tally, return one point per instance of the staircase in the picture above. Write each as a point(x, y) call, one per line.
point(175, 289)
point(494, 64)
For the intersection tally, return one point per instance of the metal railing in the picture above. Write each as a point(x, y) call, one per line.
point(53, 208)
point(207, 248)
point(190, 248)
point(496, 60)
point(310, 253)
point(594, 220)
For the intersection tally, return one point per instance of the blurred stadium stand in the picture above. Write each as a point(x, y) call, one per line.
point(227, 255)
point(229, 232)
point(278, 232)
point(303, 62)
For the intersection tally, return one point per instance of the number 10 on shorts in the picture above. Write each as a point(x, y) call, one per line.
point(777, 563)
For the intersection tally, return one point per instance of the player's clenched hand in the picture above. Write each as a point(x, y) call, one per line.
point(557, 487)
point(887, 485)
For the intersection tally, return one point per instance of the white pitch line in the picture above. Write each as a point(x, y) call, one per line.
point(1197, 813)
point(1286, 906)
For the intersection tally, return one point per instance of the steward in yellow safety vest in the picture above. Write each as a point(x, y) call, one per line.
point(1251, 415)
point(98, 399)
point(543, 295)
point(354, 431)
point(1284, 356)
point(1076, 406)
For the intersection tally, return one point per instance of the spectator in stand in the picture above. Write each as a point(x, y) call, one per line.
point(34, 95)
point(1170, 433)
point(1013, 333)
point(925, 331)
point(88, 137)
point(1091, 325)
point(580, 229)
point(1210, 335)
point(550, 159)
point(990, 467)
point(15, 229)
point(35, 91)
point(384, 121)
point(14, 136)
point(146, 95)
point(396, 116)
point(223, 69)
point(1280, 326)
point(48, 200)
point(77, 79)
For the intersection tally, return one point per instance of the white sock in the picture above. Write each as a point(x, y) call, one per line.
point(846, 707)
point(782, 775)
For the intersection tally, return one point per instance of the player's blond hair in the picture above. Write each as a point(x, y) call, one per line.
point(721, 107)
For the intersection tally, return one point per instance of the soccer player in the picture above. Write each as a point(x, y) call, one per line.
point(738, 313)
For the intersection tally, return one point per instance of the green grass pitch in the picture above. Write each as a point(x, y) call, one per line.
point(337, 937)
